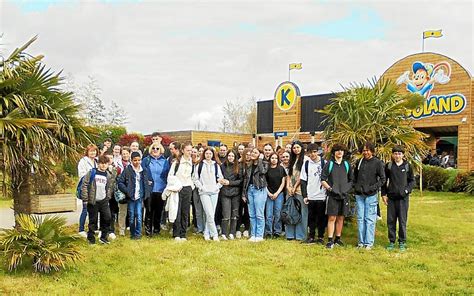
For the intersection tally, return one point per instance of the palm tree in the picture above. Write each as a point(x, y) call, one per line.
point(376, 113)
point(39, 123)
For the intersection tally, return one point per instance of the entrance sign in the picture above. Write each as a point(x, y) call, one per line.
point(281, 134)
point(286, 95)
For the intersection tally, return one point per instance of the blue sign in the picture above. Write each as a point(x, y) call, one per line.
point(281, 134)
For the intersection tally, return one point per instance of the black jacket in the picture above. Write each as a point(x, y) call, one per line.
point(259, 178)
point(235, 180)
point(369, 176)
point(400, 180)
point(339, 178)
point(126, 183)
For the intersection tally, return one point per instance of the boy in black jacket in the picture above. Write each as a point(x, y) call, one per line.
point(395, 194)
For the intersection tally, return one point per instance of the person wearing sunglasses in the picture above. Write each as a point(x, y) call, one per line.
point(157, 168)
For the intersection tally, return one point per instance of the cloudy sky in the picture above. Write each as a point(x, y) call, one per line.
point(171, 64)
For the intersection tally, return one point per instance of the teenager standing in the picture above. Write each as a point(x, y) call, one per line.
point(86, 163)
point(231, 194)
point(276, 180)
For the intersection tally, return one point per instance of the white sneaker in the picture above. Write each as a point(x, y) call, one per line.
point(99, 233)
point(259, 239)
point(184, 239)
point(178, 239)
point(223, 237)
point(246, 234)
point(238, 234)
point(231, 236)
point(82, 234)
point(252, 239)
point(206, 237)
point(379, 218)
point(122, 232)
point(128, 228)
point(112, 236)
point(215, 238)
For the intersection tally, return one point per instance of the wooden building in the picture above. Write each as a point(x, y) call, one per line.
point(447, 115)
point(209, 138)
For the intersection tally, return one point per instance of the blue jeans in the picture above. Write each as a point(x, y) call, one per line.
point(366, 218)
point(299, 231)
point(273, 211)
point(209, 203)
point(256, 203)
point(135, 217)
point(82, 218)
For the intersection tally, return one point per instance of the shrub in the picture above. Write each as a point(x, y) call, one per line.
point(127, 139)
point(460, 182)
point(43, 241)
point(449, 183)
point(434, 178)
point(470, 184)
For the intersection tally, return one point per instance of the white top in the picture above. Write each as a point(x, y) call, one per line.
point(313, 179)
point(100, 184)
point(137, 182)
point(207, 183)
point(184, 172)
point(84, 166)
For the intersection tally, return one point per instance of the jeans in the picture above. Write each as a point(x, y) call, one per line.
point(317, 218)
point(299, 230)
point(397, 210)
point(154, 207)
point(366, 218)
point(209, 203)
point(199, 212)
point(230, 212)
point(135, 216)
point(82, 218)
point(100, 207)
point(272, 212)
point(256, 202)
point(181, 223)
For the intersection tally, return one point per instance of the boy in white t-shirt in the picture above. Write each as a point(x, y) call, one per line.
point(314, 194)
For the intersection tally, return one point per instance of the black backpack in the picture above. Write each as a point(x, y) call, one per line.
point(291, 211)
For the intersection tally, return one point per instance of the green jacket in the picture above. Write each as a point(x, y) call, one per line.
point(88, 192)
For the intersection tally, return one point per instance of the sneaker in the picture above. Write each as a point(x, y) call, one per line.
point(223, 237)
point(238, 234)
point(178, 239)
point(379, 218)
point(183, 239)
point(82, 234)
point(390, 247)
point(246, 233)
point(206, 237)
point(368, 248)
point(99, 233)
point(320, 241)
point(104, 240)
point(259, 239)
point(231, 236)
point(252, 239)
point(309, 240)
point(122, 232)
point(215, 238)
point(402, 247)
point(112, 236)
point(360, 246)
point(330, 245)
point(339, 243)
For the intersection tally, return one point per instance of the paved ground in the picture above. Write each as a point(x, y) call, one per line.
point(7, 219)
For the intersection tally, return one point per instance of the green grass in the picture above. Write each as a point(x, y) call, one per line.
point(439, 260)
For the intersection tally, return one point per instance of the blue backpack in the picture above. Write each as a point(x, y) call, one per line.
point(79, 185)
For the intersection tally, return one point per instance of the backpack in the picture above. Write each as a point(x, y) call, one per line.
point(79, 185)
point(119, 195)
point(306, 166)
point(200, 165)
point(291, 211)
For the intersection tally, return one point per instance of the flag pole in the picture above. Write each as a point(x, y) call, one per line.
point(422, 42)
point(289, 71)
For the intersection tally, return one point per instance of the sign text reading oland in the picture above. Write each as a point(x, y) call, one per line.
point(440, 105)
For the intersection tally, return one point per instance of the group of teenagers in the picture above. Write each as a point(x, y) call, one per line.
point(241, 192)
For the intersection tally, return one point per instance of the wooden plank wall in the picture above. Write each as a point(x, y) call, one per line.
point(179, 136)
point(460, 82)
point(289, 121)
point(226, 138)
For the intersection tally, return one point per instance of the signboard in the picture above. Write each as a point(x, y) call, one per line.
point(286, 95)
point(281, 134)
point(422, 79)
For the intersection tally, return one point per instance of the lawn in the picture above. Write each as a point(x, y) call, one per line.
point(439, 260)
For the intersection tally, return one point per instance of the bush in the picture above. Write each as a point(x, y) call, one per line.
point(460, 182)
point(52, 181)
point(110, 131)
point(470, 184)
point(449, 183)
point(44, 242)
point(127, 139)
point(434, 178)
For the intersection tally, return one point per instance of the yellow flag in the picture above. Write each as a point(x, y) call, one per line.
point(432, 33)
point(296, 66)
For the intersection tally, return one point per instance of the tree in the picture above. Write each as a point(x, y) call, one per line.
point(116, 115)
point(240, 116)
point(39, 123)
point(92, 106)
point(376, 113)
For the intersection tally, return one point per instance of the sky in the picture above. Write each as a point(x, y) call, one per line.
point(173, 64)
